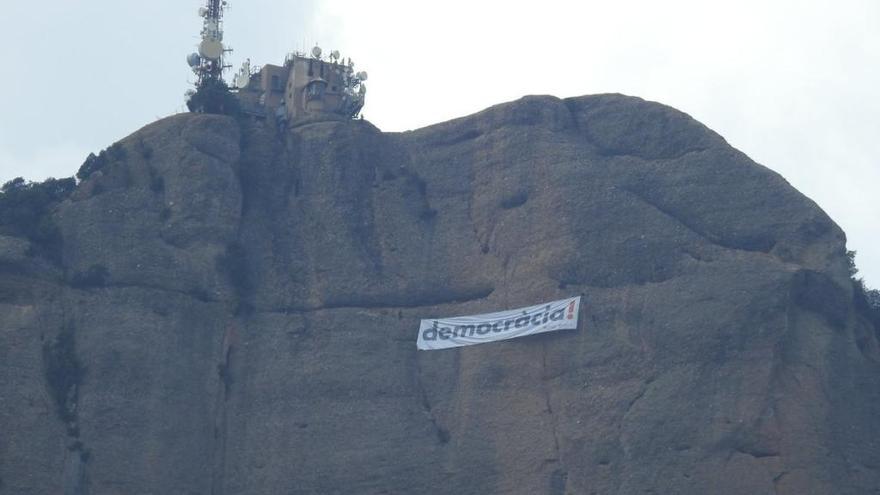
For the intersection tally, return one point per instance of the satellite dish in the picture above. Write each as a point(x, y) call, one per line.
point(362, 75)
point(203, 12)
point(241, 81)
point(316, 51)
point(334, 54)
point(211, 49)
point(193, 59)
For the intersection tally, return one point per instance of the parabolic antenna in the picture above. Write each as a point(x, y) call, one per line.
point(203, 12)
point(193, 59)
point(362, 75)
point(316, 51)
point(241, 81)
point(211, 49)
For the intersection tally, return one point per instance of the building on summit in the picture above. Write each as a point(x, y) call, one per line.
point(306, 88)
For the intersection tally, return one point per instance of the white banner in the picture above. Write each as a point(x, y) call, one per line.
point(445, 333)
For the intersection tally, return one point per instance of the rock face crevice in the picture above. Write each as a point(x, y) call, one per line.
point(246, 302)
point(64, 374)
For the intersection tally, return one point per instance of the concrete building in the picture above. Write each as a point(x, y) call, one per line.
point(304, 89)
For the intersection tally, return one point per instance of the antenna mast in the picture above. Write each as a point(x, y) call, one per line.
point(208, 62)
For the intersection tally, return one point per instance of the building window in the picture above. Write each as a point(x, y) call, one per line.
point(276, 83)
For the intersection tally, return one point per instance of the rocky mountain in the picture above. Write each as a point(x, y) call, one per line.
point(233, 310)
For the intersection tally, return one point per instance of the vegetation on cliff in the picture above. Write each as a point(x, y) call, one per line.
point(867, 300)
point(25, 209)
point(98, 162)
point(26, 206)
point(213, 97)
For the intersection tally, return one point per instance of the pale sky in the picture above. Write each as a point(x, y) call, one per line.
point(790, 83)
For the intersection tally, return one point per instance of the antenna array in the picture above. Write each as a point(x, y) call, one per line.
point(207, 63)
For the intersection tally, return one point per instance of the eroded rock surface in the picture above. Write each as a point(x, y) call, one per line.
point(254, 327)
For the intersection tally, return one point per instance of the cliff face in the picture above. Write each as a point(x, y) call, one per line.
point(236, 313)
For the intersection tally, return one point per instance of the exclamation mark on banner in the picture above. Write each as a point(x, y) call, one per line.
point(571, 310)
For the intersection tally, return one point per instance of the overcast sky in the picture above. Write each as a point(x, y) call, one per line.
point(793, 84)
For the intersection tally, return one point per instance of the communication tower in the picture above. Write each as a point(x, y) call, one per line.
point(207, 62)
point(306, 88)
